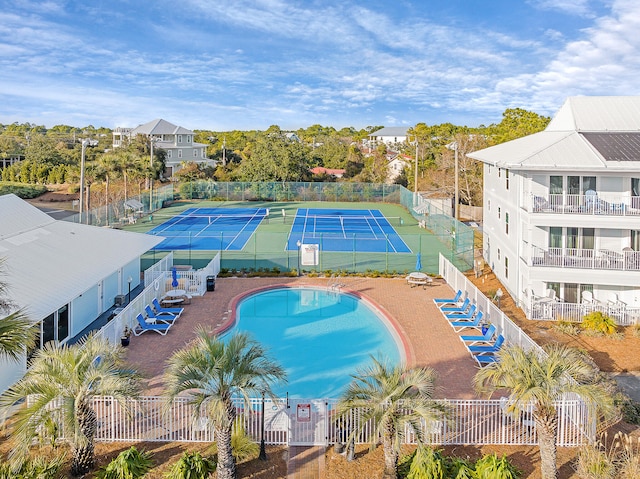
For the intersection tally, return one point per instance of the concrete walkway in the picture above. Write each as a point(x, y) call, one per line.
point(306, 462)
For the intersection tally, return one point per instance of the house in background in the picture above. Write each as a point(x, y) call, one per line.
point(11, 159)
point(392, 136)
point(175, 140)
point(562, 212)
point(64, 275)
point(396, 163)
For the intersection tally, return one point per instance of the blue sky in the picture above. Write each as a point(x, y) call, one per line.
point(249, 64)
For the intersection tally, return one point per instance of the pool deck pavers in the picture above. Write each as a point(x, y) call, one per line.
point(431, 341)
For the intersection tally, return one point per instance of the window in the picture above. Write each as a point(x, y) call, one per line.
point(498, 254)
point(499, 172)
point(506, 267)
point(63, 323)
point(506, 223)
point(179, 153)
point(169, 153)
point(555, 237)
point(179, 138)
point(195, 153)
point(498, 212)
point(489, 205)
point(556, 185)
point(635, 240)
point(506, 177)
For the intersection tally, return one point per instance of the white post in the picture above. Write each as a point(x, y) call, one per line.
point(456, 198)
point(85, 143)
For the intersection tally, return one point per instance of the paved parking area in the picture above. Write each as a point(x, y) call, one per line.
point(431, 341)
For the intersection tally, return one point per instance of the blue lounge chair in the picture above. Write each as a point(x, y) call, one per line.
point(160, 309)
point(151, 314)
point(483, 360)
point(475, 323)
point(457, 315)
point(459, 308)
point(143, 327)
point(482, 338)
point(442, 301)
point(493, 348)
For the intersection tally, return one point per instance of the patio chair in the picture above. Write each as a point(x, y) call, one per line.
point(454, 300)
point(458, 315)
point(151, 314)
point(480, 338)
point(143, 327)
point(160, 309)
point(484, 360)
point(460, 308)
point(490, 348)
point(475, 323)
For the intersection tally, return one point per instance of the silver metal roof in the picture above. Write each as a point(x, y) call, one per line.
point(561, 146)
point(49, 262)
point(160, 127)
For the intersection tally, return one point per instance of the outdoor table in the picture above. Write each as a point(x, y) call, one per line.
point(175, 293)
point(417, 278)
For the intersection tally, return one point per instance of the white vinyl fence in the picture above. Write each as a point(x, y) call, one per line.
point(317, 422)
point(505, 326)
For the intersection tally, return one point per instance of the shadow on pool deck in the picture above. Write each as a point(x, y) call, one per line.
point(432, 342)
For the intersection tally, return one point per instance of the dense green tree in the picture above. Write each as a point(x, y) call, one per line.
point(214, 372)
point(541, 380)
point(275, 158)
point(516, 123)
point(330, 153)
point(393, 400)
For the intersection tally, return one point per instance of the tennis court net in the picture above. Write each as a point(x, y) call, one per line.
point(196, 219)
point(349, 220)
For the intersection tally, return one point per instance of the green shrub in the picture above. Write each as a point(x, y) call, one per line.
point(427, 463)
point(461, 469)
point(192, 465)
point(592, 462)
point(23, 190)
point(38, 468)
point(129, 464)
point(630, 410)
point(599, 323)
point(490, 467)
point(566, 327)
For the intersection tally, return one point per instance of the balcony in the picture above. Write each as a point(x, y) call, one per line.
point(592, 203)
point(552, 310)
point(600, 259)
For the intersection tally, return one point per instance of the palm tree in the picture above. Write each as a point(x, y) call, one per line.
point(17, 331)
point(538, 379)
point(214, 372)
point(390, 398)
point(60, 385)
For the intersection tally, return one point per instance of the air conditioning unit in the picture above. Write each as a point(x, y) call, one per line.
point(120, 299)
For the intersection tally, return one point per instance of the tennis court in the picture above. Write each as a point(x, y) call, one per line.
point(225, 229)
point(345, 230)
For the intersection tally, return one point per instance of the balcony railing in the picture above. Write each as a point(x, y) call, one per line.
point(592, 204)
point(585, 258)
point(551, 310)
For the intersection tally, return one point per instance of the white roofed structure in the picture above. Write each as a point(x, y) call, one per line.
point(63, 274)
point(561, 211)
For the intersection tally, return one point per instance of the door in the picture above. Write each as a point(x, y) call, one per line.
point(308, 422)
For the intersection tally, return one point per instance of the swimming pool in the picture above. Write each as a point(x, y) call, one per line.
point(319, 336)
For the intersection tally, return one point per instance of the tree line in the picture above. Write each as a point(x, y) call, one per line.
point(52, 156)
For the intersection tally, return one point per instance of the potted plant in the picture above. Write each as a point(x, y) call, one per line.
point(126, 336)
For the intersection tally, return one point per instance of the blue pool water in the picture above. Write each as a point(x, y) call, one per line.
point(320, 337)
